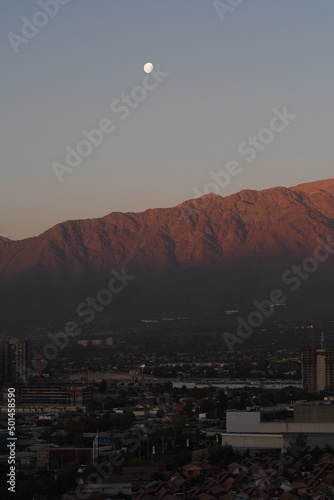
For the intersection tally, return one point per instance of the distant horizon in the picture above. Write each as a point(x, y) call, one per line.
point(168, 206)
point(238, 89)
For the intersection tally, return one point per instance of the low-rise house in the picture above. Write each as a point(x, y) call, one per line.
point(192, 470)
point(235, 468)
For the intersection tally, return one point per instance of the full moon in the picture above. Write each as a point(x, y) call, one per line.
point(148, 67)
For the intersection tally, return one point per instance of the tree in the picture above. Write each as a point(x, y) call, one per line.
point(188, 408)
point(65, 481)
point(298, 446)
point(222, 455)
point(103, 387)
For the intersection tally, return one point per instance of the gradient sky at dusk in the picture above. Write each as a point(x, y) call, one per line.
point(225, 78)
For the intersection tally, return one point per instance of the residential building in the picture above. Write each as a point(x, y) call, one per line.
point(16, 361)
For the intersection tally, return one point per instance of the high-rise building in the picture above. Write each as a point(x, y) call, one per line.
point(317, 370)
point(16, 361)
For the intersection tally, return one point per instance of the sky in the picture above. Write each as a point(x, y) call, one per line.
point(223, 71)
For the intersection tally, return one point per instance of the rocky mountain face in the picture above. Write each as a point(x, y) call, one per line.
point(201, 257)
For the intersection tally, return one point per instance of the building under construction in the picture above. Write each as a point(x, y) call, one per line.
point(317, 368)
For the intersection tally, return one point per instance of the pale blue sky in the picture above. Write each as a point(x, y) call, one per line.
point(224, 80)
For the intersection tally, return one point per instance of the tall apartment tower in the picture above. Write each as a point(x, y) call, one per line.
point(16, 361)
point(317, 370)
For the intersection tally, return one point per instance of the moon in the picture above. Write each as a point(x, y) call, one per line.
point(148, 67)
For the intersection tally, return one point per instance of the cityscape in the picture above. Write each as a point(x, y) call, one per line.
point(133, 420)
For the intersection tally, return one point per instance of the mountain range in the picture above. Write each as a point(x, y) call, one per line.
point(200, 258)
